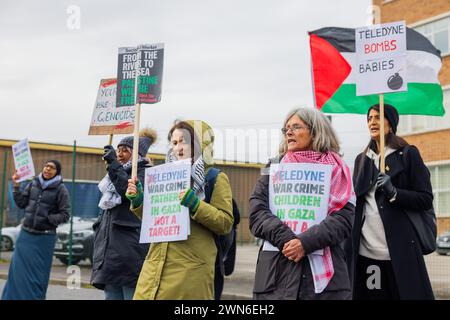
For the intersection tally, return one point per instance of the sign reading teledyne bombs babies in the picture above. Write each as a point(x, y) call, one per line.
point(164, 218)
point(146, 63)
point(299, 194)
point(23, 160)
point(107, 118)
point(381, 56)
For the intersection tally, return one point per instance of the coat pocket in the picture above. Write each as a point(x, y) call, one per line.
point(266, 272)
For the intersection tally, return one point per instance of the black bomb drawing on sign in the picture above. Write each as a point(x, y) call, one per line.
point(395, 81)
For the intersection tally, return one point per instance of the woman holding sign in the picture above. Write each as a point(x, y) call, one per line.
point(309, 264)
point(387, 262)
point(184, 270)
point(47, 204)
point(118, 255)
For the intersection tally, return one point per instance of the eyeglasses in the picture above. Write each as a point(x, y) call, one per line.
point(294, 128)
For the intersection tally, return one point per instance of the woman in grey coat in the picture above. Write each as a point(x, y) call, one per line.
point(293, 272)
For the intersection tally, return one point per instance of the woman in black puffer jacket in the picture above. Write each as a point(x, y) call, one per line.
point(118, 255)
point(47, 204)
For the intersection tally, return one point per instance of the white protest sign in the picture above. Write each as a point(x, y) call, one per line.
point(107, 118)
point(23, 160)
point(381, 58)
point(164, 218)
point(298, 195)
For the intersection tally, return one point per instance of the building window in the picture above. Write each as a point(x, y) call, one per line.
point(410, 124)
point(438, 32)
point(440, 180)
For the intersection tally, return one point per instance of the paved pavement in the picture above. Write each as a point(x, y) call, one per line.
point(237, 286)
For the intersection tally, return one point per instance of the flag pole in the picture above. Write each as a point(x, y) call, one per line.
point(110, 139)
point(382, 164)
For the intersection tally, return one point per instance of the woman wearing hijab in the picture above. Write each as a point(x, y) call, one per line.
point(386, 260)
point(184, 270)
point(47, 204)
point(297, 270)
point(118, 255)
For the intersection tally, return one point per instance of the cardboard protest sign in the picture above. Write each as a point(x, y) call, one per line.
point(381, 58)
point(298, 195)
point(107, 118)
point(23, 161)
point(164, 218)
point(146, 63)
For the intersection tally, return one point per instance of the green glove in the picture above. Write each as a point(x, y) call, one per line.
point(136, 199)
point(190, 200)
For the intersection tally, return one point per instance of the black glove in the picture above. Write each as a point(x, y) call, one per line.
point(109, 154)
point(384, 182)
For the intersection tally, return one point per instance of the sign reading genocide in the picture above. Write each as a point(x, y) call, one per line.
point(164, 218)
point(298, 195)
point(381, 58)
point(146, 63)
point(107, 118)
point(23, 161)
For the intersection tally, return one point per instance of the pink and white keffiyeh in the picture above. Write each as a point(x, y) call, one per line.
point(341, 192)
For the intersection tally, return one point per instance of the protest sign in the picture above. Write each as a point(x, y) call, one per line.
point(150, 63)
point(298, 195)
point(381, 58)
point(164, 218)
point(139, 74)
point(107, 118)
point(23, 161)
point(146, 63)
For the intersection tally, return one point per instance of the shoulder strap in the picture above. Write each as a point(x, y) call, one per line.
point(210, 181)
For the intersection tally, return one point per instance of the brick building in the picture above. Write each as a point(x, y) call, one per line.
point(430, 134)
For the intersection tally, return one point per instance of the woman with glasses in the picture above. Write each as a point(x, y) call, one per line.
point(47, 204)
point(309, 265)
point(184, 270)
point(118, 255)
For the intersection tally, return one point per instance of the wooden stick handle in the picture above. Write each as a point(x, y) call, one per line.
point(382, 163)
point(136, 140)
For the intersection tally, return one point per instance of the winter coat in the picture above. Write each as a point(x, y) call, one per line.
point(412, 179)
point(278, 278)
point(118, 256)
point(184, 270)
point(45, 208)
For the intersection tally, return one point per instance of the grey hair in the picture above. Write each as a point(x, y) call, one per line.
point(323, 136)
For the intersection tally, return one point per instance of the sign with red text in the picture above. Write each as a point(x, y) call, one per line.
point(107, 118)
point(298, 195)
point(164, 218)
point(381, 58)
point(23, 161)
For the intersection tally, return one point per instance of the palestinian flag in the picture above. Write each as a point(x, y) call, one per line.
point(334, 69)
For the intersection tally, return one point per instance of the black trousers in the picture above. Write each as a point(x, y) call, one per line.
point(218, 283)
point(374, 280)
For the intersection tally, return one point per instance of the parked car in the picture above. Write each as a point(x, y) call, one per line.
point(9, 237)
point(82, 240)
point(443, 243)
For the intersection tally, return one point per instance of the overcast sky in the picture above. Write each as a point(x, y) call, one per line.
point(239, 65)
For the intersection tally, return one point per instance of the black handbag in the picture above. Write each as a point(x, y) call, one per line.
point(424, 224)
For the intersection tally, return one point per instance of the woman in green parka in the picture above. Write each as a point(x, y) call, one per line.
point(184, 270)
